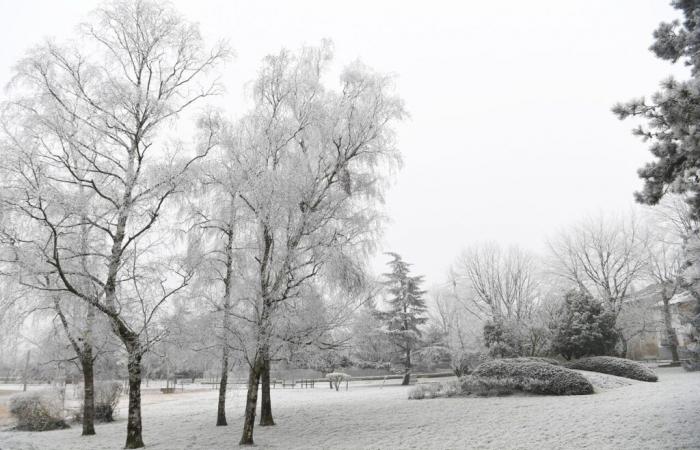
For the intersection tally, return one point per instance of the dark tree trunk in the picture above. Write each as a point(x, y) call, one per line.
point(266, 403)
point(407, 375)
point(88, 393)
point(671, 335)
point(221, 413)
point(251, 405)
point(134, 439)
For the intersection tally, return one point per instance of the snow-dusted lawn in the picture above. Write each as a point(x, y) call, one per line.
point(639, 415)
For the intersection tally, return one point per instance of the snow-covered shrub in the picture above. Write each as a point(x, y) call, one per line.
point(540, 359)
point(337, 377)
point(463, 363)
point(451, 388)
point(106, 400)
point(535, 377)
point(615, 366)
point(417, 392)
point(487, 386)
point(427, 390)
point(37, 410)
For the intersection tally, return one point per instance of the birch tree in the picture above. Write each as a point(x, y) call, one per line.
point(314, 162)
point(90, 116)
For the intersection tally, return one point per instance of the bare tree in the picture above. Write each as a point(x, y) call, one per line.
point(213, 207)
point(495, 284)
point(671, 257)
point(90, 117)
point(460, 330)
point(604, 257)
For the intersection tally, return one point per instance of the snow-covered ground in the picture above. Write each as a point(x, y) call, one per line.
point(622, 414)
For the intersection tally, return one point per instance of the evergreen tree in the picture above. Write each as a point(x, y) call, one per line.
point(584, 327)
point(407, 310)
point(672, 119)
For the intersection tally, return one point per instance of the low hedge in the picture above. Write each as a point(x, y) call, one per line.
point(615, 366)
point(508, 376)
point(539, 359)
point(536, 377)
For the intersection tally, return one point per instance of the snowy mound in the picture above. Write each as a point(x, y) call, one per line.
point(605, 381)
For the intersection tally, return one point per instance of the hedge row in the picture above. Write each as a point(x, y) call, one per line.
point(615, 366)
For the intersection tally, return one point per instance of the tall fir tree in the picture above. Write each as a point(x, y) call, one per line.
point(407, 310)
point(671, 125)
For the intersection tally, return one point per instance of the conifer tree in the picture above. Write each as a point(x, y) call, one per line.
point(584, 327)
point(407, 310)
point(671, 119)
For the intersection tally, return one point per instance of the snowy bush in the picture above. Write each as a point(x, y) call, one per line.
point(490, 386)
point(416, 393)
point(106, 400)
point(535, 377)
point(508, 376)
point(464, 363)
point(338, 377)
point(615, 366)
point(539, 359)
point(37, 411)
point(431, 390)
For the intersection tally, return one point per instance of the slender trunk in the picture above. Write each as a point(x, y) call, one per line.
point(26, 372)
point(88, 393)
point(251, 405)
point(134, 438)
point(266, 403)
point(407, 375)
point(670, 331)
point(88, 364)
point(221, 413)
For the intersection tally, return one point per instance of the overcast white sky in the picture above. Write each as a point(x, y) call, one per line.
point(510, 136)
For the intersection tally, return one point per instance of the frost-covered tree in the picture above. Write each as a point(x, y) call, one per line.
point(314, 163)
point(86, 143)
point(496, 284)
point(603, 256)
point(452, 332)
point(583, 327)
point(407, 310)
point(671, 125)
point(501, 287)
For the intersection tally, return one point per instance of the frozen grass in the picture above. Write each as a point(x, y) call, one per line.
point(635, 415)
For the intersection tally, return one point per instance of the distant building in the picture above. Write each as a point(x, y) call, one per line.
point(645, 316)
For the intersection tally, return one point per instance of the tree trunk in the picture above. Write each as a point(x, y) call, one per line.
point(134, 438)
point(88, 394)
point(266, 403)
point(251, 405)
point(623, 342)
point(221, 413)
point(407, 375)
point(25, 377)
point(670, 331)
